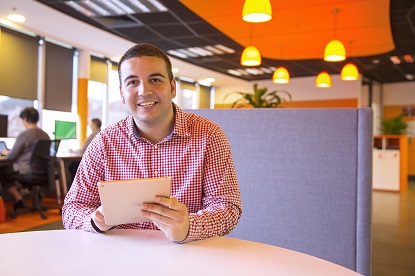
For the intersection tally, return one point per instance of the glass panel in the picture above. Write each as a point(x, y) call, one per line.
point(12, 108)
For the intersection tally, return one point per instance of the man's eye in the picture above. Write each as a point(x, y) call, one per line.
point(133, 82)
point(155, 80)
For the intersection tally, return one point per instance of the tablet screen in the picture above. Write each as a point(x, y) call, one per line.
point(122, 199)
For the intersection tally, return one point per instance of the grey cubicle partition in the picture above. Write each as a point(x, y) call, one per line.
point(305, 178)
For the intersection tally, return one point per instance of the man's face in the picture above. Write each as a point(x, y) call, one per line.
point(146, 90)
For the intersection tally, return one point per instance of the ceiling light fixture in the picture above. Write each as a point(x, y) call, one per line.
point(408, 59)
point(335, 50)
point(15, 17)
point(395, 60)
point(323, 80)
point(257, 11)
point(250, 55)
point(281, 75)
point(349, 71)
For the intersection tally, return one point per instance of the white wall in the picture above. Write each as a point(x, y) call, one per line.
point(400, 93)
point(301, 89)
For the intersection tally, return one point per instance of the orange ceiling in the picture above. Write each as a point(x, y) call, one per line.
point(301, 29)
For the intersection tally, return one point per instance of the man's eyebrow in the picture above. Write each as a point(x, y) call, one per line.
point(130, 77)
point(152, 75)
point(157, 75)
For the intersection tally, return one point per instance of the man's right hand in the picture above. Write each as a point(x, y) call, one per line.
point(99, 219)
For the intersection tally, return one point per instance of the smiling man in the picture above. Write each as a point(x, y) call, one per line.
point(158, 139)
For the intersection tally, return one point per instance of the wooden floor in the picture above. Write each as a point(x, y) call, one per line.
point(393, 231)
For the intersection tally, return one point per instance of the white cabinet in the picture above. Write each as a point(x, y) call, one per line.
point(386, 169)
point(390, 163)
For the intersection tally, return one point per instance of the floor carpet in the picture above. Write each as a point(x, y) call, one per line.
point(29, 221)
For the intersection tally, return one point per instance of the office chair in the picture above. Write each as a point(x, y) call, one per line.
point(43, 175)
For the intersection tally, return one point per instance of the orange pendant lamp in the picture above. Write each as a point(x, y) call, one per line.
point(281, 75)
point(335, 50)
point(323, 80)
point(349, 72)
point(256, 11)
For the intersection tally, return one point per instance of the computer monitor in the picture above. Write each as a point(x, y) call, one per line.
point(3, 125)
point(65, 130)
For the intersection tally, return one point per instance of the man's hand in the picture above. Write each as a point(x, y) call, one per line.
point(170, 216)
point(98, 218)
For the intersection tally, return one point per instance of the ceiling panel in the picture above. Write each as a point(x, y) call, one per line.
point(370, 29)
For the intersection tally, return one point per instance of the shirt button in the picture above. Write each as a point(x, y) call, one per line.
point(156, 173)
point(156, 147)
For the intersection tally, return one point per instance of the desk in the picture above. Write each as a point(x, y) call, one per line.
point(146, 252)
point(64, 161)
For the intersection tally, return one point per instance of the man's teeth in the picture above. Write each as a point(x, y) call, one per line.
point(148, 104)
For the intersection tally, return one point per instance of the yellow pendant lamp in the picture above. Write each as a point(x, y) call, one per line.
point(251, 57)
point(335, 50)
point(349, 72)
point(281, 75)
point(256, 11)
point(323, 80)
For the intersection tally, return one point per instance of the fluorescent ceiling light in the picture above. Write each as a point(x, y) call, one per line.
point(140, 5)
point(158, 5)
point(214, 50)
point(177, 54)
point(200, 51)
point(234, 72)
point(395, 60)
point(225, 49)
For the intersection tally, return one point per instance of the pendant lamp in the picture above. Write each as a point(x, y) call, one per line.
point(251, 57)
point(281, 75)
point(323, 80)
point(256, 11)
point(349, 72)
point(335, 50)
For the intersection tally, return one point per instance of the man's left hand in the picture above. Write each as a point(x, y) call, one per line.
point(170, 216)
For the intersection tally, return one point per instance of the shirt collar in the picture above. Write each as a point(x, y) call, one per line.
point(181, 124)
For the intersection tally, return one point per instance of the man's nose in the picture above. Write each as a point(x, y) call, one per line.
point(144, 90)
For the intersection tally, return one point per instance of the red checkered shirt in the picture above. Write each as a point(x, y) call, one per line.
point(197, 156)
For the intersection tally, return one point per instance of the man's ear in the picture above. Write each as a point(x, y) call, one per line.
point(173, 88)
point(122, 95)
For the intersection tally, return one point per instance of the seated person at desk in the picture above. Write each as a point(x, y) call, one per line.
point(21, 152)
point(95, 126)
point(158, 139)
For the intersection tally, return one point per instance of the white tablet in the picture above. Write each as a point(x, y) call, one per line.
point(122, 199)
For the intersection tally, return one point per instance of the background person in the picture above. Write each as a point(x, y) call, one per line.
point(158, 139)
point(21, 153)
point(95, 126)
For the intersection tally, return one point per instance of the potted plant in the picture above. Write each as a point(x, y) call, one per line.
point(394, 125)
point(260, 98)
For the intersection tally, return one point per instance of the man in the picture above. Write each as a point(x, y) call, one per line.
point(21, 152)
point(158, 139)
point(95, 127)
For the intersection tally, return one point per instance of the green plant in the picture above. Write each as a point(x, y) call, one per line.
point(394, 125)
point(260, 98)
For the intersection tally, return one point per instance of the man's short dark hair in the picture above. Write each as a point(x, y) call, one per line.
point(146, 49)
point(97, 122)
point(30, 114)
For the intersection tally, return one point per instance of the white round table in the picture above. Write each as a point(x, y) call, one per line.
point(135, 252)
